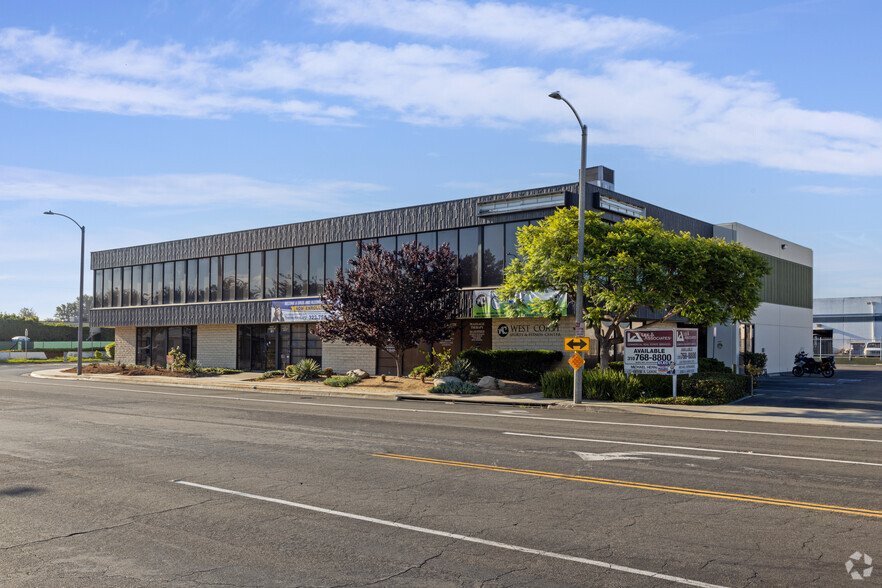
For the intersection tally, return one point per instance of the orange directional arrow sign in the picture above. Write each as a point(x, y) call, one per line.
point(576, 344)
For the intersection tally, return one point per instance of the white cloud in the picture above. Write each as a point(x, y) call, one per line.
point(662, 106)
point(831, 190)
point(29, 185)
point(564, 27)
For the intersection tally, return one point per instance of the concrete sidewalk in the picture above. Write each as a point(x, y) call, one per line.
point(244, 381)
point(734, 411)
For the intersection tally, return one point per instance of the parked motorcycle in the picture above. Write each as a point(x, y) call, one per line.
point(805, 364)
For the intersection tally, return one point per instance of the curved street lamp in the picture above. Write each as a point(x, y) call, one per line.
point(580, 287)
point(82, 270)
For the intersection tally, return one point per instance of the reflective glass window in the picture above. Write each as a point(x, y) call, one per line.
point(511, 240)
point(215, 279)
point(117, 286)
point(316, 270)
point(493, 255)
point(147, 284)
point(387, 243)
point(157, 283)
point(229, 286)
point(255, 276)
point(349, 252)
point(402, 239)
point(271, 274)
point(160, 348)
point(332, 261)
point(430, 239)
point(301, 272)
point(136, 286)
point(286, 267)
point(126, 286)
point(98, 287)
point(180, 281)
point(203, 281)
point(192, 279)
point(450, 237)
point(168, 282)
point(468, 257)
point(242, 276)
point(108, 287)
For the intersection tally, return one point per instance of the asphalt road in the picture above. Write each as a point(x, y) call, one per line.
point(109, 484)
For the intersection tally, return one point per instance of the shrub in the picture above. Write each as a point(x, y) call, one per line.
point(328, 372)
point(306, 369)
point(678, 400)
point(218, 371)
point(192, 367)
point(179, 359)
point(709, 365)
point(515, 364)
point(658, 386)
point(610, 385)
point(270, 374)
point(98, 355)
point(460, 368)
point(455, 388)
point(617, 366)
point(110, 350)
point(341, 381)
point(718, 388)
point(557, 384)
point(422, 371)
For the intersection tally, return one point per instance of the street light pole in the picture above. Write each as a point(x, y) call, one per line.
point(82, 273)
point(580, 287)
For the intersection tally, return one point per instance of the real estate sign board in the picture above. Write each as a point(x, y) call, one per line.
point(661, 351)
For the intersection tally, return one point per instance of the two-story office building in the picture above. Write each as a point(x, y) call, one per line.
point(248, 299)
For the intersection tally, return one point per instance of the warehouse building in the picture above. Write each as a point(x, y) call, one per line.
point(248, 299)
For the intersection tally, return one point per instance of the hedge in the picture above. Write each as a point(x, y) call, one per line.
point(718, 388)
point(515, 364)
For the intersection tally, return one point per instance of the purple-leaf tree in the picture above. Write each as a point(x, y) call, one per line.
point(393, 299)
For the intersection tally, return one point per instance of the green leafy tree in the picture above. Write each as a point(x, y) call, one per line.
point(393, 300)
point(69, 311)
point(28, 313)
point(632, 264)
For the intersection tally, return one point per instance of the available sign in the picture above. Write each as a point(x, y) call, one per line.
point(687, 351)
point(661, 351)
point(298, 310)
point(649, 351)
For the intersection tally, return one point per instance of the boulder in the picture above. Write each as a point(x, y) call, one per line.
point(445, 380)
point(361, 374)
point(488, 383)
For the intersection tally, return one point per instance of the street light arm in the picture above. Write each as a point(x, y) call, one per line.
point(82, 228)
point(558, 96)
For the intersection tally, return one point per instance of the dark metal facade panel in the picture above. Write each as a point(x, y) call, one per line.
point(172, 315)
point(413, 219)
point(214, 313)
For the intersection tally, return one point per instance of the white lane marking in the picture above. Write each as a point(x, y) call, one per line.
point(552, 554)
point(628, 455)
point(728, 451)
point(474, 414)
point(817, 384)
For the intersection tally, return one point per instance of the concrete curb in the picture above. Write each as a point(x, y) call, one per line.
point(871, 419)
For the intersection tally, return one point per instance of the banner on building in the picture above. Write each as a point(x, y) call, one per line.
point(298, 310)
point(486, 304)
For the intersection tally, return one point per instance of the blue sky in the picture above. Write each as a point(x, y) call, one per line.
point(150, 121)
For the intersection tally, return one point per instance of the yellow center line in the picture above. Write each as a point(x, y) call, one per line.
point(640, 485)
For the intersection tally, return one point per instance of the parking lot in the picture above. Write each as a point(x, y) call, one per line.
point(852, 388)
